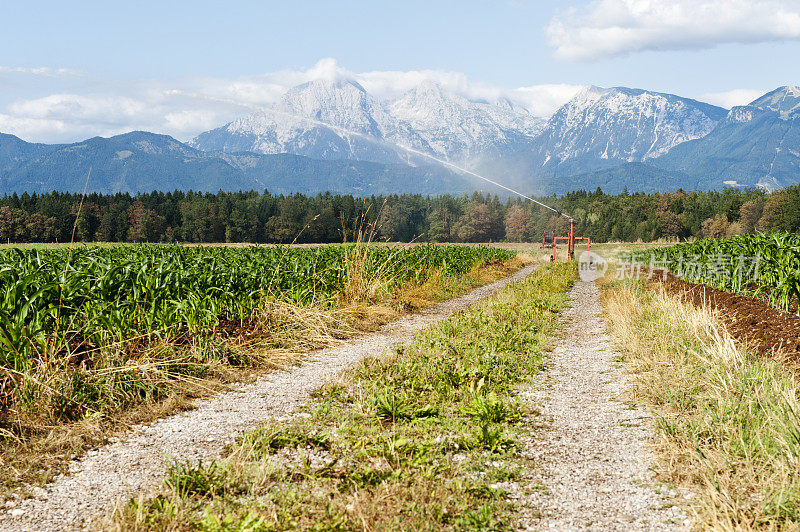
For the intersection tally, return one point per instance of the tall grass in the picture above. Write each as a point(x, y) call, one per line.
point(729, 422)
point(88, 337)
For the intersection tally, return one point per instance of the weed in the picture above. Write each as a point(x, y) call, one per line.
point(369, 476)
point(506, 473)
point(250, 521)
point(201, 480)
point(395, 407)
point(484, 518)
point(270, 439)
point(490, 409)
point(493, 439)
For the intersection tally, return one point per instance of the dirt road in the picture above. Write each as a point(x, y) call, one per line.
point(138, 462)
point(593, 462)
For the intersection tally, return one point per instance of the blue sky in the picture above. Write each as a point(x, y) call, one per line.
point(73, 70)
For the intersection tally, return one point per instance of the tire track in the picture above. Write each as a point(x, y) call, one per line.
point(593, 465)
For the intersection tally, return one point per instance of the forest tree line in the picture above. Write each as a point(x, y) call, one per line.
point(265, 218)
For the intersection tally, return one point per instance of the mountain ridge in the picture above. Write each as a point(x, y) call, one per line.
point(140, 161)
point(340, 120)
point(332, 135)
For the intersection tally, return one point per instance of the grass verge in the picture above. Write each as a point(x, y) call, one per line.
point(423, 439)
point(728, 421)
point(62, 405)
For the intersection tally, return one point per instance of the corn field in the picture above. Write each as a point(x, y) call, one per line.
point(99, 295)
point(765, 266)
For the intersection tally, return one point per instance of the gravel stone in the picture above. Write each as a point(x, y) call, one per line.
point(591, 452)
point(138, 461)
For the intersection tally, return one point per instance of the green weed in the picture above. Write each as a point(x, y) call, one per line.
point(200, 480)
point(490, 409)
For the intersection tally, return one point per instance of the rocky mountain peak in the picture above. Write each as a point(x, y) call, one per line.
point(625, 124)
point(334, 118)
point(783, 100)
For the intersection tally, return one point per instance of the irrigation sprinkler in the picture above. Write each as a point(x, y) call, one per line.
point(550, 241)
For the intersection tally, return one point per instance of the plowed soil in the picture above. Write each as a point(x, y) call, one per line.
point(763, 328)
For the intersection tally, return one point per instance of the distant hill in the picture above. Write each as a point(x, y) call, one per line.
point(141, 161)
point(635, 177)
point(754, 145)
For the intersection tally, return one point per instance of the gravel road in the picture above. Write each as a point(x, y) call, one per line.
point(593, 463)
point(137, 462)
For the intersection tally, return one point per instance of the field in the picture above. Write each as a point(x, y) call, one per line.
point(92, 333)
point(763, 266)
point(447, 431)
point(53, 299)
point(752, 281)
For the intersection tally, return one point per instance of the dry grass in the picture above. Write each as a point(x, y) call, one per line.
point(729, 422)
point(68, 404)
point(64, 408)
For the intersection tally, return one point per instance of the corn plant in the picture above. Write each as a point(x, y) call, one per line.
point(762, 265)
point(51, 299)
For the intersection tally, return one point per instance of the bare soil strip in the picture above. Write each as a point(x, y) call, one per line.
point(755, 323)
point(594, 464)
point(138, 462)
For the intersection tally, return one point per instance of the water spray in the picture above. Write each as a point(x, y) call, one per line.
point(570, 239)
point(376, 140)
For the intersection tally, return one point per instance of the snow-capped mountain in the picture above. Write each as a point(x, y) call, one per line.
point(320, 119)
point(340, 120)
point(609, 137)
point(784, 100)
point(602, 127)
point(754, 145)
point(454, 128)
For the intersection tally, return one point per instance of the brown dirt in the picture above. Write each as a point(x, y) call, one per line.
point(757, 324)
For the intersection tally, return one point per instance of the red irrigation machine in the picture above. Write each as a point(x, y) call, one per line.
point(550, 241)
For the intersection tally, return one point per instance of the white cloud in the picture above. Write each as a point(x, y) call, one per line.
point(381, 84)
point(392, 83)
point(99, 109)
point(39, 71)
point(732, 98)
point(192, 121)
point(51, 130)
point(608, 28)
point(186, 107)
point(544, 100)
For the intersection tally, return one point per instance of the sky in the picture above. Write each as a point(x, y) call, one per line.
point(73, 70)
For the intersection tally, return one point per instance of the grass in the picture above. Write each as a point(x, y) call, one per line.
point(426, 438)
point(64, 403)
point(728, 421)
